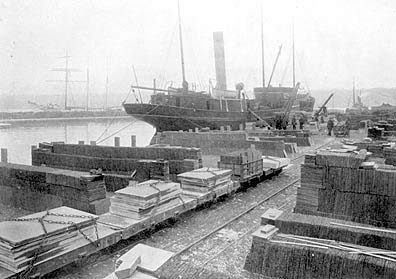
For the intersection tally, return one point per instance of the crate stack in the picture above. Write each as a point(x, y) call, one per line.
point(145, 199)
point(23, 239)
point(244, 164)
point(205, 180)
point(344, 186)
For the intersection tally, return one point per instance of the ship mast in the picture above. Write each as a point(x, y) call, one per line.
point(353, 93)
point(262, 47)
point(293, 54)
point(185, 83)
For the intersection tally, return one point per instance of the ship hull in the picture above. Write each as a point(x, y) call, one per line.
point(169, 118)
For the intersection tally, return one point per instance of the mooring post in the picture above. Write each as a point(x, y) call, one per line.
point(133, 140)
point(228, 128)
point(196, 129)
point(4, 155)
point(81, 142)
point(116, 141)
point(92, 142)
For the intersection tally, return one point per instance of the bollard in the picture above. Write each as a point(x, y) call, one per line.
point(116, 141)
point(80, 142)
point(196, 129)
point(241, 127)
point(222, 128)
point(93, 142)
point(133, 140)
point(4, 155)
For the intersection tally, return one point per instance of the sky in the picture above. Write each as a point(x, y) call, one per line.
point(335, 41)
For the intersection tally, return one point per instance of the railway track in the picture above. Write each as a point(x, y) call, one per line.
point(208, 236)
point(218, 245)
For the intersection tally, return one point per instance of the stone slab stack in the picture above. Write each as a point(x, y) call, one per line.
point(142, 169)
point(145, 199)
point(43, 236)
point(219, 142)
point(124, 159)
point(39, 188)
point(244, 164)
point(205, 180)
point(343, 185)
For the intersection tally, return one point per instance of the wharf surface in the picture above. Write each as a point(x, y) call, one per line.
point(226, 250)
point(192, 225)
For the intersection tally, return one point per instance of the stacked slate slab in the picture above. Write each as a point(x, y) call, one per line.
point(153, 162)
point(244, 164)
point(344, 186)
point(145, 199)
point(205, 180)
point(278, 255)
point(220, 142)
point(38, 188)
point(27, 241)
point(300, 138)
point(390, 155)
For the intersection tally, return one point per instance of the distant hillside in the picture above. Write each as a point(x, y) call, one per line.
point(343, 97)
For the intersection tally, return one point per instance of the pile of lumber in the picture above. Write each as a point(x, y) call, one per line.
point(145, 199)
point(344, 186)
point(244, 163)
point(43, 236)
point(204, 180)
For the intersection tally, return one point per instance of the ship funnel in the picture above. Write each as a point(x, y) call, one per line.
point(219, 61)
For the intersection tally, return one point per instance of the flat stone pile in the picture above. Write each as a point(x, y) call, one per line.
point(153, 162)
point(343, 224)
point(219, 142)
point(39, 188)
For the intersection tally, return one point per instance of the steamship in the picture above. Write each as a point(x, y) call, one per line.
point(175, 109)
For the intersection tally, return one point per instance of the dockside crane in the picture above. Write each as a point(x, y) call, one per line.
point(323, 107)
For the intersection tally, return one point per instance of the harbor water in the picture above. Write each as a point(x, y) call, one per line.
point(18, 137)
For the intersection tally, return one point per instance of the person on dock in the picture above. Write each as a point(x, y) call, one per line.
point(294, 122)
point(302, 122)
point(330, 125)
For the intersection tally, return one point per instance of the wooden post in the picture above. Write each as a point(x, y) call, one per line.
point(117, 141)
point(133, 140)
point(80, 142)
point(93, 142)
point(4, 155)
point(196, 129)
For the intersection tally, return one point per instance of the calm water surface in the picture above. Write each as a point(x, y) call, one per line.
point(19, 138)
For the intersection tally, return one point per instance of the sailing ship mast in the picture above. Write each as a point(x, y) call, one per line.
point(262, 47)
point(185, 83)
point(293, 54)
